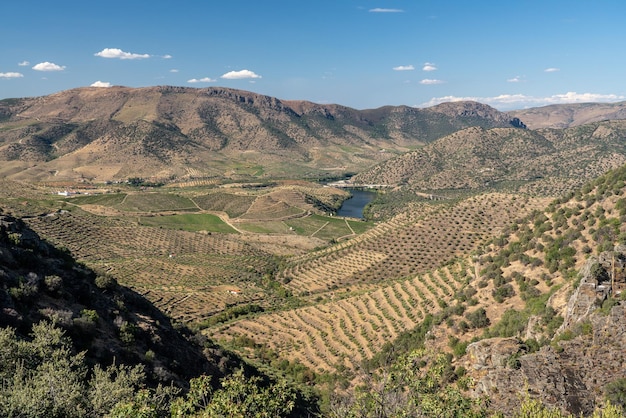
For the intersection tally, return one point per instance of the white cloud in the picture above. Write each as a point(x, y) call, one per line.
point(11, 75)
point(516, 79)
point(173, 70)
point(101, 84)
point(429, 67)
point(201, 80)
point(48, 66)
point(519, 101)
point(118, 53)
point(237, 75)
point(404, 68)
point(381, 10)
point(429, 81)
point(166, 57)
point(23, 64)
point(552, 70)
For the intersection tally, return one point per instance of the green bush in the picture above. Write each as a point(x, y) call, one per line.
point(478, 318)
point(615, 392)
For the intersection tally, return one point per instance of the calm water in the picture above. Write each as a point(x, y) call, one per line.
point(353, 207)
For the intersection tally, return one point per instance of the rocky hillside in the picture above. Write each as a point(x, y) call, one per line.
point(572, 373)
point(568, 115)
point(477, 157)
point(166, 132)
point(553, 289)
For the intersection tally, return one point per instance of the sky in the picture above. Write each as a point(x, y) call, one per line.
point(358, 53)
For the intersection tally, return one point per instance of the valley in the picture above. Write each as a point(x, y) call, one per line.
point(215, 206)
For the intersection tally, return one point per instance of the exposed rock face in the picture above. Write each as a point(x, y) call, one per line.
point(545, 374)
point(569, 374)
point(493, 352)
point(585, 298)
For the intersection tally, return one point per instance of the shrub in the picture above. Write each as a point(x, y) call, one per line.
point(615, 392)
point(127, 333)
point(105, 282)
point(478, 318)
point(53, 283)
point(503, 292)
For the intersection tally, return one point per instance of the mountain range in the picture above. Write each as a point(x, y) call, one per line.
point(172, 132)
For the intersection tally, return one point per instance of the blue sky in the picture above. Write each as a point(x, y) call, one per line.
point(358, 53)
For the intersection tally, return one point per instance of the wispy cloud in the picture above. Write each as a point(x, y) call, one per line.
point(48, 66)
point(23, 64)
point(404, 68)
point(101, 84)
point(174, 70)
point(381, 10)
point(11, 75)
point(430, 81)
point(237, 75)
point(201, 80)
point(519, 101)
point(167, 57)
point(428, 66)
point(516, 79)
point(119, 54)
point(552, 70)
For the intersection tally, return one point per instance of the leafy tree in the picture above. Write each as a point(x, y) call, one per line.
point(478, 318)
point(113, 385)
point(42, 377)
point(416, 385)
point(239, 396)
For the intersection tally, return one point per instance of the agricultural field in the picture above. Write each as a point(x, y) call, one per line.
point(188, 222)
point(199, 252)
point(407, 244)
point(185, 249)
point(366, 291)
point(349, 330)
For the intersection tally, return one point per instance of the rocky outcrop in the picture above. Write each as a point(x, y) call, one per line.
point(586, 298)
point(543, 375)
point(494, 352)
point(588, 352)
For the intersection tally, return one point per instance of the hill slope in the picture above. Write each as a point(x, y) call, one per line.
point(569, 115)
point(475, 157)
point(112, 323)
point(165, 132)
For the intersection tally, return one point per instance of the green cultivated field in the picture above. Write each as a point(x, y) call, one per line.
point(109, 200)
point(189, 222)
point(156, 202)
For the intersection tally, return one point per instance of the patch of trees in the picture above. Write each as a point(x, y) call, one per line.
point(140, 182)
point(229, 314)
point(43, 376)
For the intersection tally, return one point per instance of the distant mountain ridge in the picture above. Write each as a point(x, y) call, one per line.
point(118, 132)
point(568, 115)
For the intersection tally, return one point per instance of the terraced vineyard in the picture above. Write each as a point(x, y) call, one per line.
point(182, 250)
point(367, 290)
point(346, 331)
point(371, 285)
point(182, 272)
point(407, 245)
